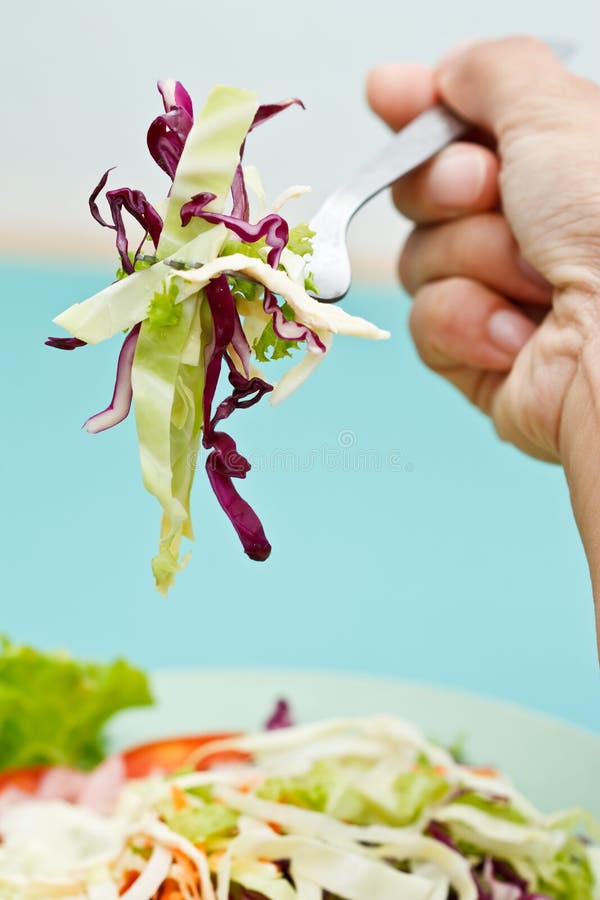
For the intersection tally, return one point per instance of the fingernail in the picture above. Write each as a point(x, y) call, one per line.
point(509, 330)
point(532, 274)
point(457, 177)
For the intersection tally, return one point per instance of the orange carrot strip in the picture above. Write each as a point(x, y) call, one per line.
point(130, 876)
point(180, 801)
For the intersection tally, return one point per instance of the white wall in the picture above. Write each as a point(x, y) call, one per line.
point(79, 92)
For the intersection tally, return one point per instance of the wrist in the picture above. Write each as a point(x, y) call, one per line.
point(580, 454)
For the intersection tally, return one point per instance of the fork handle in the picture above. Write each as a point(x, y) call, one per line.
point(415, 144)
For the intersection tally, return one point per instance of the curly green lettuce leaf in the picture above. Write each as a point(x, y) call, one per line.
point(269, 346)
point(53, 708)
point(164, 310)
point(310, 285)
point(300, 239)
point(257, 250)
point(138, 264)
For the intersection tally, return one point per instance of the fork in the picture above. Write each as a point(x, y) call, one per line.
point(411, 147)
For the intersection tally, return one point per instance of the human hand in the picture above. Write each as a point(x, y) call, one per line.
point(504, 261)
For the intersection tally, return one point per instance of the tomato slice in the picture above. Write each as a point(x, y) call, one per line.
point(26, 779)
point(176, 753)
point(165, 755)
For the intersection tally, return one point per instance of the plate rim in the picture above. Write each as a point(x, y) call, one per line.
point(459, 693)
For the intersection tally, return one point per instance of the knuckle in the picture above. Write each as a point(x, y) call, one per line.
point(432, 320)
point(399, 194)
point(406, 267)
point(524, 44)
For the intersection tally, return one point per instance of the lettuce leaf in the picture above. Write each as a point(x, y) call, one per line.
point(569, 875)
point(167, 403)
point(333, 787)
point(53, 708)
point(269, 346)
point(201, 824)
point(164, 310)
point(300, 239)
point(256, 879)
point(498, 807)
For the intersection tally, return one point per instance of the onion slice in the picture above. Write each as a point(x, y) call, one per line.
point(151, 878)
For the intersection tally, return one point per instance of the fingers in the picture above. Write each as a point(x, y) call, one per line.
point(398, 92)
point(461, 179)
point(458, 323)
point(479, 247)
point(498, 83)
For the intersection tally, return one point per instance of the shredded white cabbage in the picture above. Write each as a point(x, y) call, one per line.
point(366, 809)
point(310, 312)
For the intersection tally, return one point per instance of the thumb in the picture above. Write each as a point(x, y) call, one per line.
point(499, 84)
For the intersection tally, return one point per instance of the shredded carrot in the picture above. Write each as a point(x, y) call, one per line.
point(215, 858)
point(130, 876)
point(188, 883)
point(486, 772)
point(437, 770)
point(169, 891)
point(180, 801)
point(274, 826)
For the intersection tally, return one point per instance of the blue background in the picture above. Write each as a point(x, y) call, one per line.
point(418, 546)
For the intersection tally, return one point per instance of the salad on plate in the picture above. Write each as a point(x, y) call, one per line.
point(206, 294)
point(345, 809)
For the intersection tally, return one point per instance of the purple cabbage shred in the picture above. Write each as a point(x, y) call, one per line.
point(120, 404)
point(281, 717)
point(224, 463)
point(135, 203)
point(65, 343)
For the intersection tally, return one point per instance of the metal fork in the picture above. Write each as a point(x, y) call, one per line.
point(415, 144)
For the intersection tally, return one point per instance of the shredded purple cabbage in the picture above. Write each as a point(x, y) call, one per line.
point(135, 203)
point(239, 195)
point(120, 404)
point(266, 111)
point(167, 133)
point(65, 343)
point(497, 880)
point(224, 463)
point(240, 208)
point(281, 717)
point(440, 832)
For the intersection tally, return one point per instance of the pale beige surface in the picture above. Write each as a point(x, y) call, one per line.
point(95, 246)
point(80, 92)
